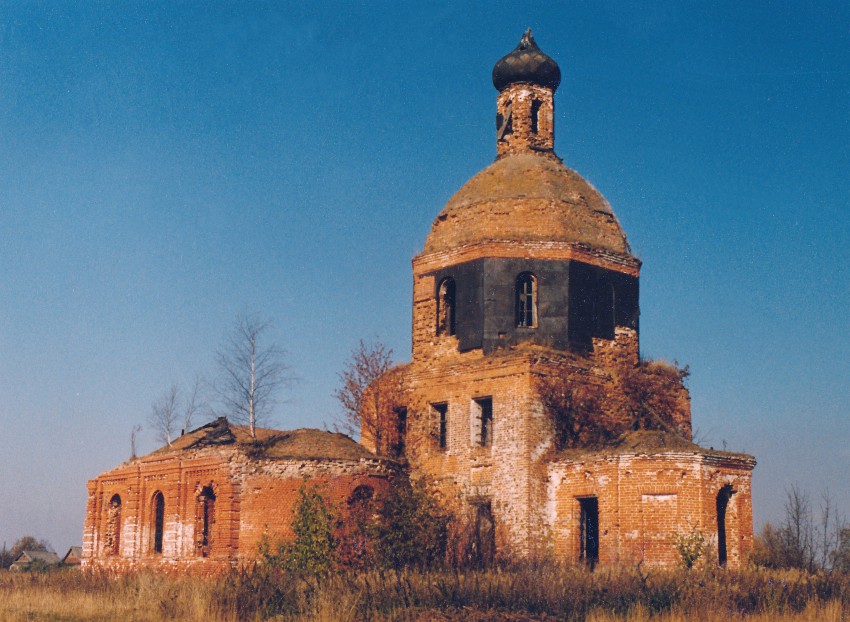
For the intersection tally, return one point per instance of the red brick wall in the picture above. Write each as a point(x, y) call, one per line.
point(253, 499)
point(645, 500)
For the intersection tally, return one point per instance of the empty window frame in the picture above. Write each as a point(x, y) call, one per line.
point(446, 307)
point(482, 421)
point(589, 530)
point(401, 431)
point(526, 300)
point(505, 123)
point(158, 526)
point(536, 104)
point(112, 531)
point(206, 520)
point(441, 417)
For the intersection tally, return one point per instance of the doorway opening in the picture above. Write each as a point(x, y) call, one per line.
point(484, 535)
point(722, 504)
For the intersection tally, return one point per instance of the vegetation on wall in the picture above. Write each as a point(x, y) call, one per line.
point(368, 394)
point(591, 413)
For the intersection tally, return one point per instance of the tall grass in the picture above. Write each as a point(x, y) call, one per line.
point(534, 593)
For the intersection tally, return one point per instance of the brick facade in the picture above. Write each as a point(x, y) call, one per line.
point(528, 214)
point(526, 276)
point(253, 496)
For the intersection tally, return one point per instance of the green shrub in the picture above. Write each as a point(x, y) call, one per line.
point(312, 551)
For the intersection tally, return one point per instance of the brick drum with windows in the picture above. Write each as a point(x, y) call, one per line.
point(527, 282)
point(525, 408)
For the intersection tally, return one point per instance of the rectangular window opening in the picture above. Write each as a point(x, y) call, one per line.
point(589, 531)
point(484, 421)
point(441, 412)
point(401, 431)
point(535, 114)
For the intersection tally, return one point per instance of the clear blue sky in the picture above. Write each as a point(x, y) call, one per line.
point(165, 165)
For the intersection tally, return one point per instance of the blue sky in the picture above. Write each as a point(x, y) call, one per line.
point(165, 166)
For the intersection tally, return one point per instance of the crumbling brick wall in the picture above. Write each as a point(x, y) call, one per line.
point(254, 500)
point(647, 500)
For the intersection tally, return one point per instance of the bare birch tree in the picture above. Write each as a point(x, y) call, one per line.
point(164, 413)
point(252, 372)
point(195, 403)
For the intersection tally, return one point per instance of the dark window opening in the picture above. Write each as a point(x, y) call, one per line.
point(484, 407)
point(505, 123)
point(722, 504)
point(442, 412)
point(484, 535)
point(446, 307)
point(401, 431)
point(206, 520)
point(112, 533)
point(589, 531)
point(158, 521)
point(526, 300)
point(535, 113)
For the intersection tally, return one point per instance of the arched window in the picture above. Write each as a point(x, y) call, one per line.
point(526, 300)
point(205, 521)
point(112, 531)
point(446, 307)
point(158, 521)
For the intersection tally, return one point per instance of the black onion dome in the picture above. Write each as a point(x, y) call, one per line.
point(526, 64)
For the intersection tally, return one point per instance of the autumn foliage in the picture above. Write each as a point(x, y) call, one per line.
point(592, 412)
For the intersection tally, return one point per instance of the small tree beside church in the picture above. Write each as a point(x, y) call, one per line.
point(312, 551)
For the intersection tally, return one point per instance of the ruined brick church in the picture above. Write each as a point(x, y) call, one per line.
point(520, 408)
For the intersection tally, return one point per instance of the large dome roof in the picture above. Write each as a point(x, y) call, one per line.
point(527, 198)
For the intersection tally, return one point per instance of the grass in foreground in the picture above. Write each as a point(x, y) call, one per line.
point(538, 594)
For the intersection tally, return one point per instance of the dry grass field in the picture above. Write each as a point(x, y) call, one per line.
point(539, 594)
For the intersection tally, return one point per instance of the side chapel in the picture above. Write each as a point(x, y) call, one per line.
point(526, 284)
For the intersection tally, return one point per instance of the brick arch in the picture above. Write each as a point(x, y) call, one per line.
point(112, 525)
point(157, 522)
point(205, 497)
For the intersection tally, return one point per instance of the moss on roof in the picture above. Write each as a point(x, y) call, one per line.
point(304, 443)
point(649, 442)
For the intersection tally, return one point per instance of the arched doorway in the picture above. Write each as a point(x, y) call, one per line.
point(206, 521)
point(722, 505)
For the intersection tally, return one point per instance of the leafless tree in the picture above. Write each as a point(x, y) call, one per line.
point(252, 372)
point(164, 413)
point(195, 403)
point(367, 393)
point(799, 530)
point(803, 542)
point(133, 434)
